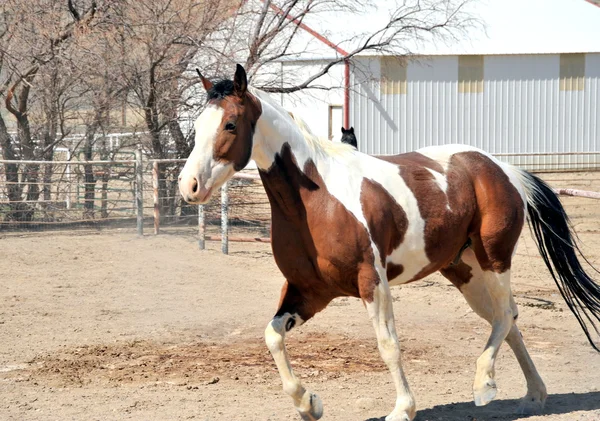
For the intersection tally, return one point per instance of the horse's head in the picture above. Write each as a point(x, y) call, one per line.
point(349, 137)
point(223, 142)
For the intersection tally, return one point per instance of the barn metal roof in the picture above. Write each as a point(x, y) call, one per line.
point(508, 27)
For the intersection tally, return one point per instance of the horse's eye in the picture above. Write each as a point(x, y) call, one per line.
point(230, 127)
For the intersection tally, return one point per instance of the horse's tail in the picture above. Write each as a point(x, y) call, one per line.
point(557, 244)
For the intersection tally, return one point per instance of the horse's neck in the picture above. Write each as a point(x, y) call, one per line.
point(274, 129)
point(287, 164)
point(289, 187)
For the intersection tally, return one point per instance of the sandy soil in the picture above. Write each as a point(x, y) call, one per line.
point(107, 326)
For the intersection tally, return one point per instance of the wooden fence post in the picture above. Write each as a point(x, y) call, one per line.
point(224, 219)
point(139, 191)
point(155, 173)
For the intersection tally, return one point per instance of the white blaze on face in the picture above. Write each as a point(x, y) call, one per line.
point(201, 174)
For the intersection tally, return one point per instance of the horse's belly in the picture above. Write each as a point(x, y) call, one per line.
point(414, 260)
point(413, 264)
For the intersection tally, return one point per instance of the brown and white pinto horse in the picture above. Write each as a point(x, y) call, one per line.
point(348, 224)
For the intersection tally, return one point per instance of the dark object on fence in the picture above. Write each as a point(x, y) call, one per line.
point(349, 137)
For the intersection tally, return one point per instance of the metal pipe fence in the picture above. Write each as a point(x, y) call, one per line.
point(241, 213)
point(143, 194)
point(45, 194)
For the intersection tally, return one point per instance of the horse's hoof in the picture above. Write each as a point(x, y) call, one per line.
point(486, 394)
point(315, 407)
point(532, 404)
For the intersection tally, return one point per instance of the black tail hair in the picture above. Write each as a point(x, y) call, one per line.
point(557, 244)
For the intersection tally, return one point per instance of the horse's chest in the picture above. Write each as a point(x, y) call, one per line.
point(329, 252)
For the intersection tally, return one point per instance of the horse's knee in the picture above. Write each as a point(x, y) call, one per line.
point(277, 327)
point(274, 336)
point(389, 347)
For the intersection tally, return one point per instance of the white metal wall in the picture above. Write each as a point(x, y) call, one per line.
point(521, 109)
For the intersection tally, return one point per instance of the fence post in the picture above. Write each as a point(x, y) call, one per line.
point(68, 170)
point(201, 228)
point(139, 191)
point(224, 219)
point(155, 197)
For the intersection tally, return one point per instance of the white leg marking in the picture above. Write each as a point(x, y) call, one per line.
point(382, 316)
point(307, 404)
point(534, 400)
point(489, 295)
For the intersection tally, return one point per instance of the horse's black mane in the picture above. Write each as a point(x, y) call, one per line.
point(220, 89)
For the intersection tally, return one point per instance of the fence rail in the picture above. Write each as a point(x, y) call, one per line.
point(143, 193)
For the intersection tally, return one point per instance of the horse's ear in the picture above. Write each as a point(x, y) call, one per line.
point(343, 130)
point(351, 130)
point(240, 82)
point(205, 82)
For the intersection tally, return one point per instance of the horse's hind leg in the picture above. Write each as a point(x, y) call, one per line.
point(489, 295)
point(293, 311)
point(382, 315)
point(533, 402)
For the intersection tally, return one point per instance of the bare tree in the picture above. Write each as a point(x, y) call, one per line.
point(264, 32)
point(157, 40)
point(37, 34)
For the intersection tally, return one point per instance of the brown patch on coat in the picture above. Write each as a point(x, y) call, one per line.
point(500, 212)
point(415, 159)
point(323, 251)
point(459, 274)
point(385, 218)
point(235, 146)
point(393, 271)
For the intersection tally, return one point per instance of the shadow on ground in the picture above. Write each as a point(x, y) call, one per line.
point(504, 410)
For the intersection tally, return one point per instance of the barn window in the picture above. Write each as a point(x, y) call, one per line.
point(470, 74)
point(393, 76)
point(572, 72)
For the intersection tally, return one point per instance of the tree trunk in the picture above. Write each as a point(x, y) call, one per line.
point(24, 211)
point(48, 155)
point(11, 172)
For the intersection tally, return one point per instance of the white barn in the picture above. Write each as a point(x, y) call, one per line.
point(530, 84)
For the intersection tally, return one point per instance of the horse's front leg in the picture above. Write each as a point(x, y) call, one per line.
point(292, 312)
point(382, 315)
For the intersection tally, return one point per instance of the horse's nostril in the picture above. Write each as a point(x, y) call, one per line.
point(194, 185)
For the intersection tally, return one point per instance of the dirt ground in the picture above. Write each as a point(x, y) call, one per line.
point(107, 326)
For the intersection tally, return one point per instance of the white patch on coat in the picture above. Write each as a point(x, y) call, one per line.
point(200, 163)
point(442, 182)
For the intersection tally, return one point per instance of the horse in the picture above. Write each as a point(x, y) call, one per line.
point(349, 137)
point(346, 223)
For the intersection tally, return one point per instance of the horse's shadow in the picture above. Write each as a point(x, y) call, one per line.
point(504, 410)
